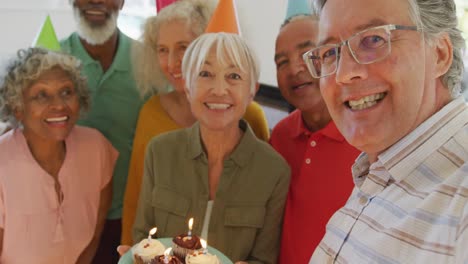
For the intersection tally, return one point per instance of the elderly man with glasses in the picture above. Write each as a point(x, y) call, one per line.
point(390, 74)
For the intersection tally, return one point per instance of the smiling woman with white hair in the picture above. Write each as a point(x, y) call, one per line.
point(217, 171)
point(158, 72)
point(54, 176)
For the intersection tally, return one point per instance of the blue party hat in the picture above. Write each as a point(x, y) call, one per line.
point(297, 7)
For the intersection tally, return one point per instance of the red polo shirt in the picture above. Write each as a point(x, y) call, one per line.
point(321, 182)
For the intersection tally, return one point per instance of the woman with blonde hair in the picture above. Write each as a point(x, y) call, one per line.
point(158, 71)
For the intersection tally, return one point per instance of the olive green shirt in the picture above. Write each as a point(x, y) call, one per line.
point(247, 213)
point(115, 104)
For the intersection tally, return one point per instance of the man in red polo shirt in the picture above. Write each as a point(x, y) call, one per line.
point(318, 154)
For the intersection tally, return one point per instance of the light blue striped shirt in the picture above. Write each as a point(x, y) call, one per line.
point(410, 206)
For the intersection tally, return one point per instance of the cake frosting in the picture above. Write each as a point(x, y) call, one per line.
point(201, 258)
point(192, 242)
point(182, 245)
point(172, 260)
point(147, 250)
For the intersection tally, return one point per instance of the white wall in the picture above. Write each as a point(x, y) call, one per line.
point(260, 21)
point(21, 19)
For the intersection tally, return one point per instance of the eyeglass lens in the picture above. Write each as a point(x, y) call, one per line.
point(366, 47)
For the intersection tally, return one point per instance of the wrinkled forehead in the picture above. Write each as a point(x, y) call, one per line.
point(55, 74)
point(165, 36)
point(305, 28)
point(56, 71)
point(340, 19)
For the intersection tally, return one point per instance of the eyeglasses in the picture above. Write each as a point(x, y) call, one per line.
point(366, 47)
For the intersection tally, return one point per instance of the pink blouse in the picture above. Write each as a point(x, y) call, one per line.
point(36, 227)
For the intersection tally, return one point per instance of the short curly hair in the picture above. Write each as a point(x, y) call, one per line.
point(26, 68)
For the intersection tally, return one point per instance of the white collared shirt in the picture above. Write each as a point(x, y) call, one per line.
point(410, 206)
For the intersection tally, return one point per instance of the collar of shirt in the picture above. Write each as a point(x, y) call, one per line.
point(241, 154)
point(397, 162)
point(120, 62)
point(299, 129)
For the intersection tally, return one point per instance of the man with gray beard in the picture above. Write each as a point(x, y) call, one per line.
point(105, 53)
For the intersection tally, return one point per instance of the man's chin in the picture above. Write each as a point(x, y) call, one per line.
point(94, 39)
point(95, 35)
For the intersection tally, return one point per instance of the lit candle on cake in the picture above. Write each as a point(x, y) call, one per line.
point(190, 224)
point(151, 233)
point(204, 245)
point(148, 249)
point(202, 256)
point(167, 256)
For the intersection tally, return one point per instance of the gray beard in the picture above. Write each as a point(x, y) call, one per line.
point(95, 35)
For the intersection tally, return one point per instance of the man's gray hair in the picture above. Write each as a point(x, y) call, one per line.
point(298, 17)
point(29, 65)
point(435, 17)
point(230, 49)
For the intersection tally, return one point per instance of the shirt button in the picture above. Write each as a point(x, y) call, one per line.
point(307, 161)
point(362, 200)
point(313, 143)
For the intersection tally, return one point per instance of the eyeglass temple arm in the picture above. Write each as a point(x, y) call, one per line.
point(415, 28)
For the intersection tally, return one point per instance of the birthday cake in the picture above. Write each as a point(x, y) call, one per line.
point(200, 257)
point(147, 250)
point(170, 260)
point(184, 244)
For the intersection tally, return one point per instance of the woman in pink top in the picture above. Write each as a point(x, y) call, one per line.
point(54, 176)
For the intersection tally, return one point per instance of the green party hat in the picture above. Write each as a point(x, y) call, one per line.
point(46, 38)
